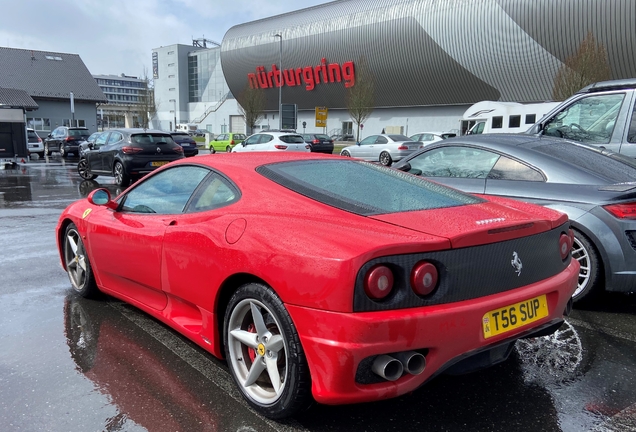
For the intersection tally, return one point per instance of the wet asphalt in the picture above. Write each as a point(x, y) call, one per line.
point(70, 364)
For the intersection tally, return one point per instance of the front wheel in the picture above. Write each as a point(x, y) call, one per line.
point(590, 268)
point(83, 170)
point(78, 266)
point(121, 177)
point(264, 353)
point(385, 158)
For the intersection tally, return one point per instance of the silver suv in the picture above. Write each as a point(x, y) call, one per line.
point(602, 114)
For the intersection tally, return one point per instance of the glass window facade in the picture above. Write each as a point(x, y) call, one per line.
point(206, 82)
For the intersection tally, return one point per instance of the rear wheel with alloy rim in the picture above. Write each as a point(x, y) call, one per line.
point(121, 177)
point(212, 151)
point(78, 266)
point(264, 353)
point(228, 149)
point(590, 281)
point(83, 170)
point(345, 153)
point(385, 158)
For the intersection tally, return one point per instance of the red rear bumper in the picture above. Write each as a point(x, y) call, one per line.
point(336, 343)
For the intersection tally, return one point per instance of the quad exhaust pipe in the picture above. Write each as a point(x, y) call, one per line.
point(391, 367)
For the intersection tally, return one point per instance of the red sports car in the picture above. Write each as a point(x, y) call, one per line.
point(325, 278)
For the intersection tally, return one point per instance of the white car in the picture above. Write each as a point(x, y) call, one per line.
point(34, 143)
point(273, 141)
point(431, 137)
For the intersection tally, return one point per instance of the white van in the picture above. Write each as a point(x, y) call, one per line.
point(502, 117)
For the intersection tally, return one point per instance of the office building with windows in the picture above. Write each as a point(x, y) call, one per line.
point(190, 88)
point(125, 95)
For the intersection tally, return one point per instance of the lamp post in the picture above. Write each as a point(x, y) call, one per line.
point(174, 104)
point(280, 88)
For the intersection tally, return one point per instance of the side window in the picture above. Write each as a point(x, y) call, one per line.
point(631, 134)
point(497, 122)
point(514, 121)
point(369, 140)
point(417, 137)
point(463, 162)
point(589, 120)
point(114, 138)
point(101, 140)
point(381, 140)
point(167, 192)
point(427, 137)
point(508, 169)
point(265, 138)
point(253, 139)
point(531, 119)
point(214, 193)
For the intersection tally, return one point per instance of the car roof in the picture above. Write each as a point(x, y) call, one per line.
point(609, 85)
point(138, 130)
point(523, 147)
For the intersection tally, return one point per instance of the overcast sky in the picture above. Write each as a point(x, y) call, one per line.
point(117, 36)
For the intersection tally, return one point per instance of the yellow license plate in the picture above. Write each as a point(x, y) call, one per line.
point(508, 318)
point(158, 163)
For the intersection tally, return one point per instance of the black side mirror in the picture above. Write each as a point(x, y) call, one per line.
point(91, 145)
point(406, 167)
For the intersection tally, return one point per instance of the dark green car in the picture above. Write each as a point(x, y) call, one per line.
point(226, 142)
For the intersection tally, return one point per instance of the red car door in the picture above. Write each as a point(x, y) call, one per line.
point(126, 253)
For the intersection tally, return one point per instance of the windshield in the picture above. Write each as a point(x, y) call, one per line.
point(363, 188)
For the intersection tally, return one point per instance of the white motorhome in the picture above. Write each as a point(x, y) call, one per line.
point(502, 117)
point(190, 128)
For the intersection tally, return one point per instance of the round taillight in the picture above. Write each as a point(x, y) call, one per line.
point(424, 277)
point(378, 282)
point(565, 244)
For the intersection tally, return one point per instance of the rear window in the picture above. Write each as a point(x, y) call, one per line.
point(180, 134)
point(363, 188)
point(615, 167)
point(31, 134)
point(152, 138)
point(78, 133)
point(239, 136)
point(292, 139)
point(324, 137)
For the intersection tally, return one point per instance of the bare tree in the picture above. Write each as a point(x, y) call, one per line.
point(588, 65)
point(360, 97)
point(146, 107)
point(251, 106)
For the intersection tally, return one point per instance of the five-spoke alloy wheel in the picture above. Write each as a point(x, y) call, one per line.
point(77, 263)
point(264, 353)
point(583, 251)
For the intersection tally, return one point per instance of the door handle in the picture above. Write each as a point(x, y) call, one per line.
point(169, 222)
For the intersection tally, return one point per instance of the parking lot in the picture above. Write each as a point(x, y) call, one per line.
point(71, 364)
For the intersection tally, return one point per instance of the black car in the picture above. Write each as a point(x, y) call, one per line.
point(187, 142)
point(319, 143)
point(65, 140)
point(595, 187)
point(128, 154)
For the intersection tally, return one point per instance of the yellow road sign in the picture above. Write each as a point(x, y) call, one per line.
point(321, 116)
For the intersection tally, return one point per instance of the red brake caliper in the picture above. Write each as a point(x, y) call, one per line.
point(250, 351)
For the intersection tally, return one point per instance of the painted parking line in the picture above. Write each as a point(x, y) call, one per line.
point(219, 376)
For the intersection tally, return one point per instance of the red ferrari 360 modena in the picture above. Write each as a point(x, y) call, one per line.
point(324, 278)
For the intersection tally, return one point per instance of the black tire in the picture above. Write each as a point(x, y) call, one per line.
point(590, 274)
point(345, 153)
point(121, 176)
point(228, 149)
point(385, 159)
point(274, 334)
point(78, 266)
point(62, 151)
point(41, 154)
point(212, 151)
point(83, 170)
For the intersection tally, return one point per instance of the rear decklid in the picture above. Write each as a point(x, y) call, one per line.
point(474, 224)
